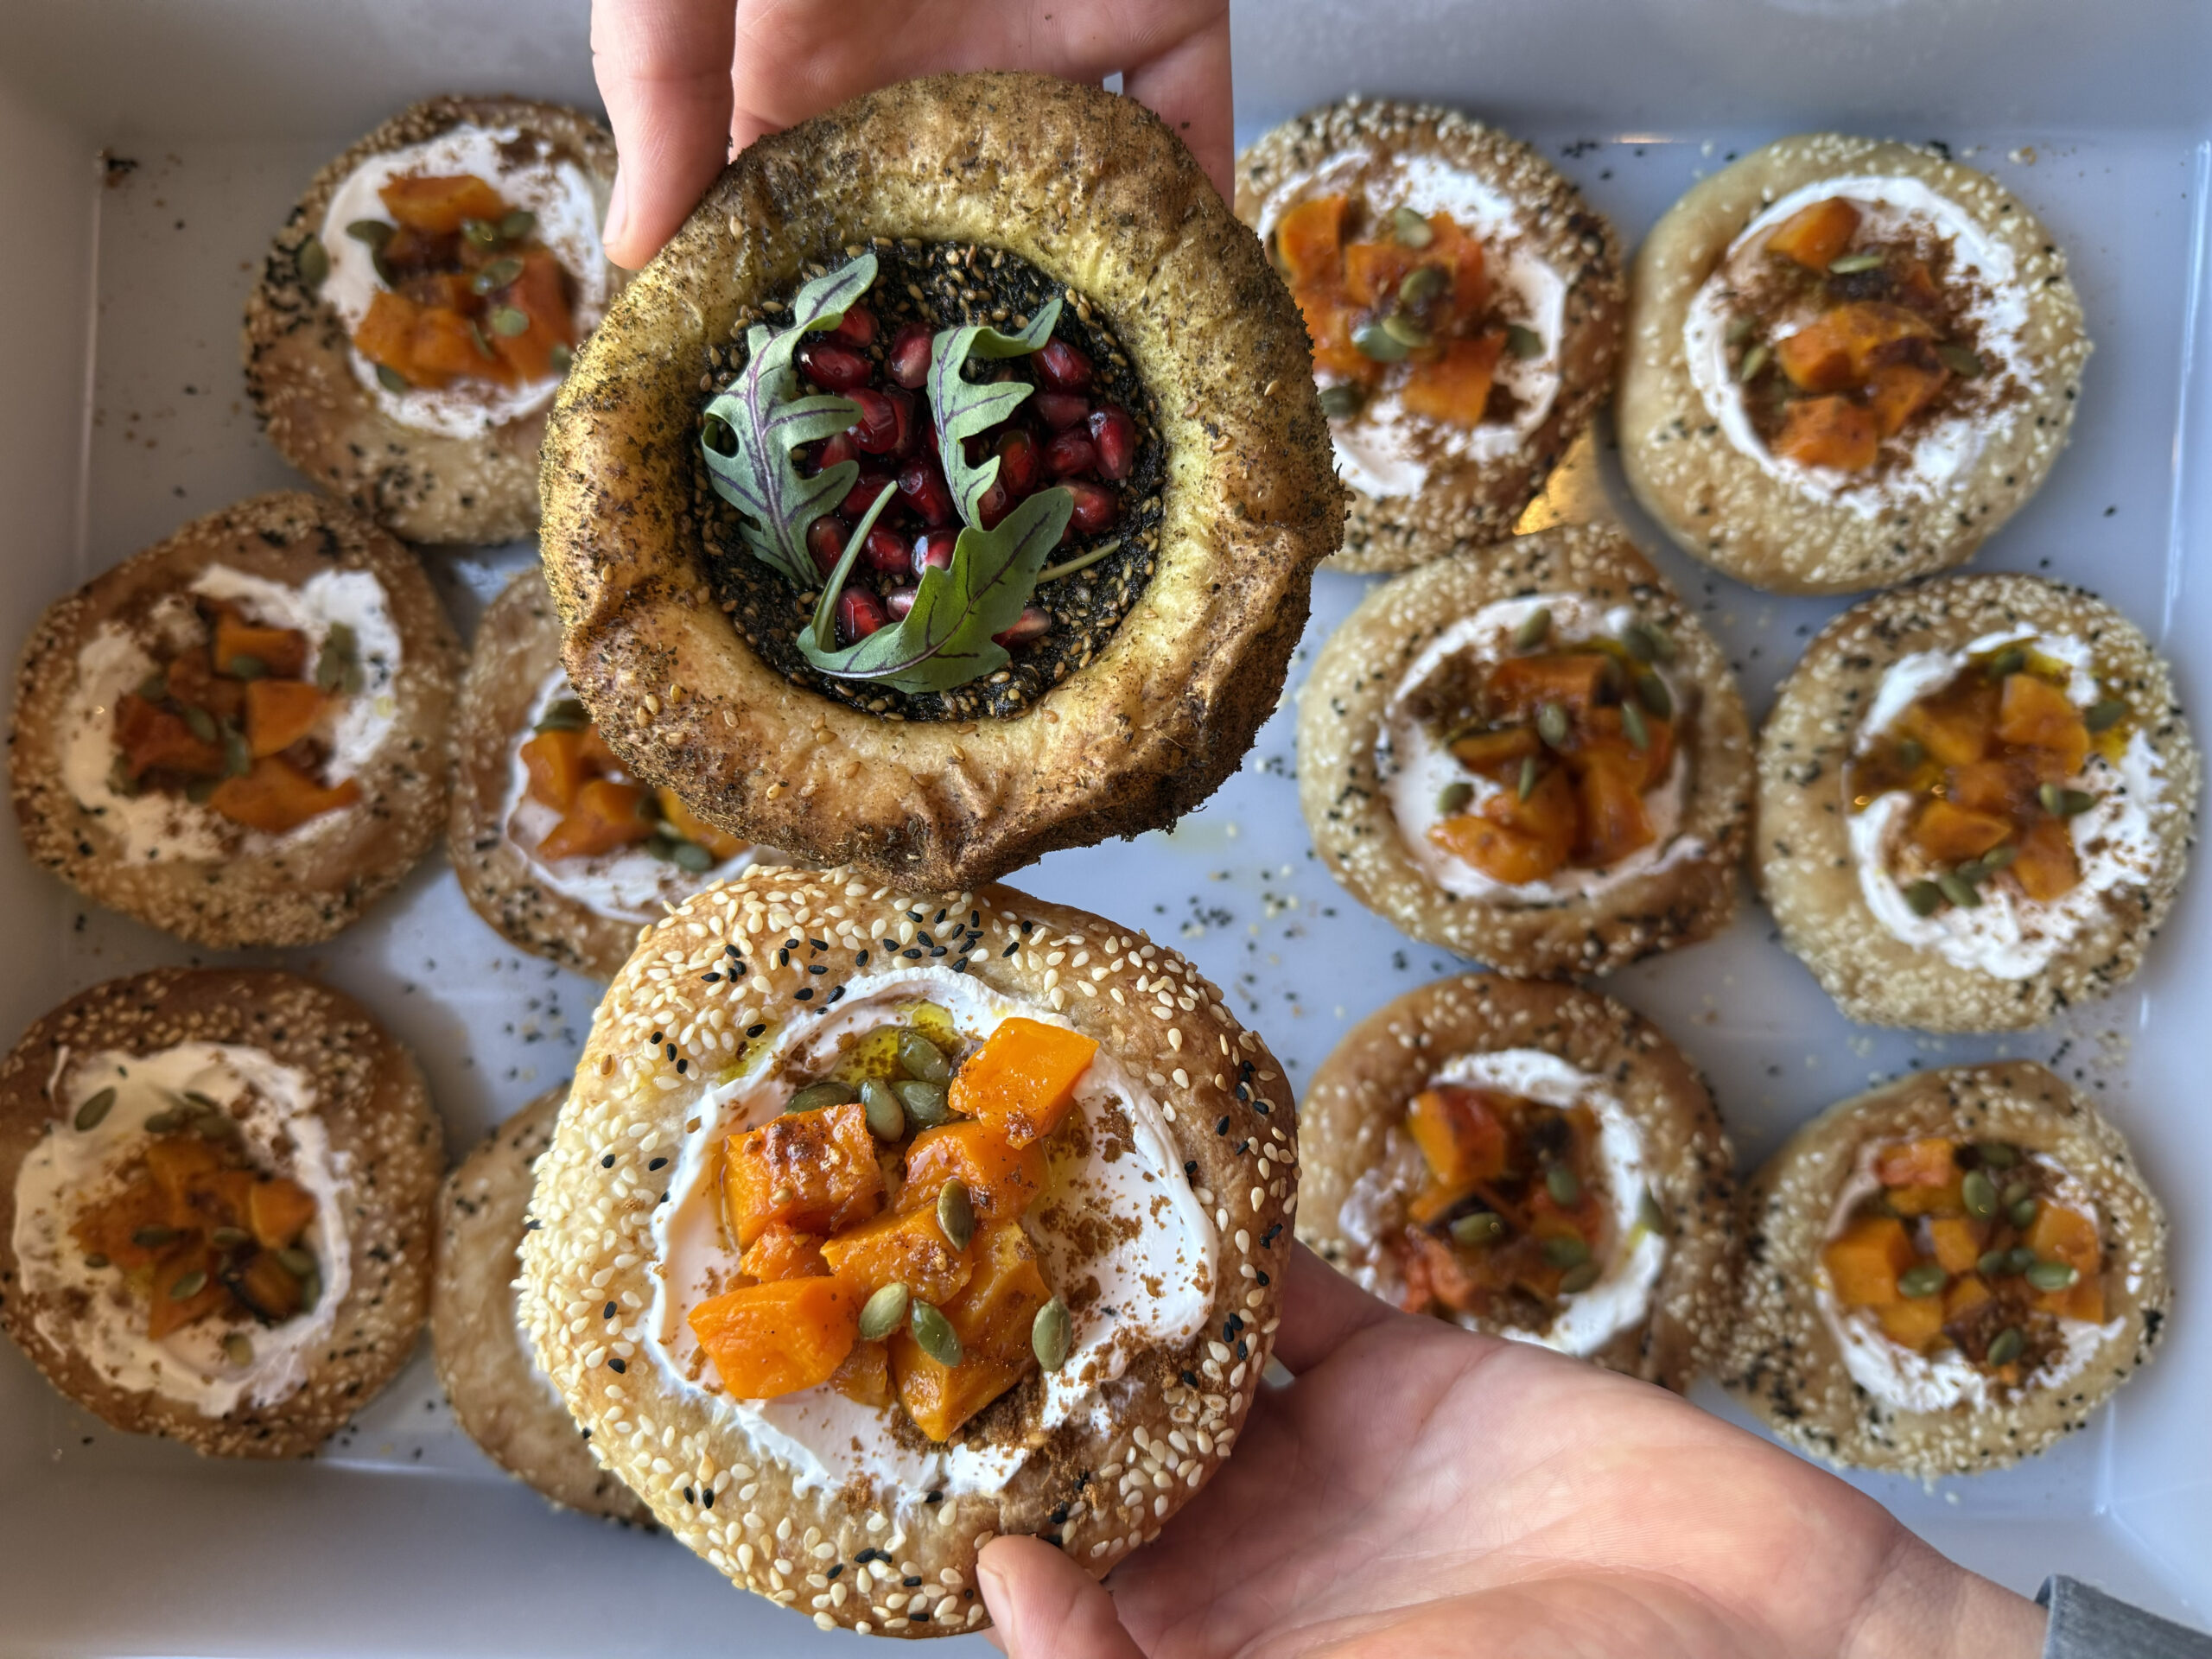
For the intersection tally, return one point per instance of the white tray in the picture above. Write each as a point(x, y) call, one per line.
point(121, 414)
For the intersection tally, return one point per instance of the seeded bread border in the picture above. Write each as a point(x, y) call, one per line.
point(1100, 1487)
point(1784, 1362)
point(1340, 713)
point(1801, 852)
point(387, 1149)
point(1720, 504)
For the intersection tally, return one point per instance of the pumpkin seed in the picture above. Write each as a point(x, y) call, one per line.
point(476, 339)
point(229, 1238)
point(1562, 1183)
point(1371, 339)
point(1551, 724)
point(1577, 1279)
point(1523, 342)
point(1958, 891)
point(956, 1213)
point(237, 757)
point(2009, 661)
point(935, 1333)
point(2022, 1215)
point(1343, 400)
point(237, 1348)
point(312, 262)
point(1979, 1193)
point(886, 1119)
point(658, 845)
point(2053, 1276)
point(1992, 861)
point(96, 1261)
point(1648, 643)
point(510, 322)
point(2014, 1191)
point(390, 379)
point(481, 231)
point(201, 722)
point(826, 1092)
point(95, 1108)
point(689, 855)
point(1482, 1227)
point(1910, 753)
point(298, 1263)
point(2004, 1347)
point(1453, 798)
point(1422, 284)
point(1410, 229)
point(1525, 786)
point(1739, 329)
point(924, 1102)
point(1651, 692)
point(189, 1286)
point(1867, 259)
point(1924, 898)
point(2104, 714)
point(153, 1238)
point(1565, 1251)
point(338, 667)
point(1405, 330)
point(563, 715)
point(310, 1290)
point(518, 224)
point(1921, 1281)
point(2064, 803)
point(154, 686)
point(920, 1058)
point(559, 358)
point(1997, 1155)
point(1050, 1334)
point(883, 1313)
point(200, 791)
point(1649, 1216)
point(498, 274)
point(2019, 1258)
point(1990, 1263)
point(373, 231)
point(244, 665)
point(1960, 360)
point(1754, 360)
point(1533, 629)
point(163, 1123)
point(1639, 735)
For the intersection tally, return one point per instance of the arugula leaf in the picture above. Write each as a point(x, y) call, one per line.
point(822, 630)
point(768, 419)
point(963, 408)
point(945, 640)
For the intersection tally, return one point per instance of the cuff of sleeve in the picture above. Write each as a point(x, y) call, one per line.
point(2086, 1623)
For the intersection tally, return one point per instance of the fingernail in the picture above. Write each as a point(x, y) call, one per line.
point(992, 1582)
point(618, 210)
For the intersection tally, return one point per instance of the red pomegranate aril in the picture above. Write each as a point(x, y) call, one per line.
point(994, 505)
point(886, 550)
point(908, 362)
point(835, 448)
point(933, 549)
point(922, 488)
point(1095, 507)
point(1018, 462)
point(898, 601)
point(1114, 436)
point(910, 429)
point(1062, 367)
point(858, 327)
point(825, 541)
point(833, 367)
point(861, 496)
point(1059, 409)
point(878, 430)
point(1068, 453)
point(860, 613)
point(1032, 624)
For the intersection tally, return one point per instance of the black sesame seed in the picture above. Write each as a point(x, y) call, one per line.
point(938, 951)
point(658, 1163)
point(836, 1567)
point(730, 950)
point(817, 968)
point(835, 993)
point(1268, 1238)
point(1013, 947)
point(1060, 1516)
point(934, 1497)
point(914, 1584)
point(1243, 1146)
point(1241, 1354)
point(1190, 1379)
point(911, 956)
point(1261, 1277)
point(709, 1500)
point(1189, 1167)
point(862, 958)
point(682, 1066)
point(805, 994)
point(532, 1225)
point(819, 944)
point(783, 958)
point(671, 1050)
point(754, 1030)
point(924, 937)
point(690, 1496)
point(916, 916)
point(608, 1312)
point(1222, 1127)
point(655, 1038)
point(711, 979)
point(607, 1162)
point(618, 1366)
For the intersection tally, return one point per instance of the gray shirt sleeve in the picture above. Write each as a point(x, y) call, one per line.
point(2088, 1623)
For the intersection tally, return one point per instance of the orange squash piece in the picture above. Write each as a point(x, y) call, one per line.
point(276, 797)
point(1022, 1080)
point(277, 1211)
point(813, 1171)
point(439, 204)
point(2059, 1234)
point(1373, 270)
point(109, 1228)
point(1309, 239)
point(1550, 814)
point(694, 829)
point(778, 1338)
point(1959, 1240)
point(1931, 1161)
point(1912, 1321)
point(278, 714)
point(1456, 386)
point(864, 1377)
point(1863, 1263)
point(1949, 834)
point(166, 1312)
point(151, 739)
point(905, 1248)
point(783, 1252)
point(1815, 235)
point(281, 652)
point(1499, 751)
point(2034, 714)
point(1614, 822)
point(607, 815)
point(1965, 1294)
point(1461, 1135)
point(539, 294)
point(1829, 432)
point(1434, 1272)
point(1329, 320)
point(1956, 731)
point(1003, 1179)
point(992, 1318)
point(179, 1165)
point(268, 1288)
point(444, 348)
point(1518, 686)
point(2046, 866)
point(1999, 787)
point(1500, 853)
point(386, 334)
point(554, 765)
point(1898, 391)
point(1470, 272)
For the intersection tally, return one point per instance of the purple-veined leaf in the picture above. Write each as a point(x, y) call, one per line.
point(962, 407)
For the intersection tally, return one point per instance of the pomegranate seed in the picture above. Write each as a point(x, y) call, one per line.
point(1062, 367)
point(861, 496)
point(900, 600)
point(880, 427)
point(908, 362)
point(1018, 463)
point(1068, 453)
point(835, 448)
point(1032, 624)
point(933, 548)
point(910, 431)
point(825, 540)
point(833, 367)
point(1113, 435)
point(1095, 507)
point(860, 613)
point(858, 329)
point(1060, 410)
point(886, 550)
point(994, 505)
point(921, 487)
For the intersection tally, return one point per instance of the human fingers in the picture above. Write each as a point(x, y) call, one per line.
point(1188, 87)
point(1321, 1309)
point(663, 69)
point(1044, 1606)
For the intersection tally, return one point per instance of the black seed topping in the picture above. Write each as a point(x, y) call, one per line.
point(658, 1163)
point(618, 1364)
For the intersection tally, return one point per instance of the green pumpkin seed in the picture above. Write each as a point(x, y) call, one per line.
point(229, 1238)
point(1371, 339)
point(1960, 360)
point(1534, 628)
point(2053, 1276)
point(95, 1108)
point(373, 231)
point(1979, 1193)
point(1754, 360)
point(2019, 1258)
point(1958, 891)
point(476, 339)
point(1523, 342)
point(1551, 724)
point(659, 845)
point(2022, 1215)
point(2008, 662)
point(1924, 898)
point(1845, 264)
point(154, 686)
point(1410, 229)
point(1997, 1155)
point(481, 231)
point(920, 1058)
point(237, 757)
point(201, 722)
point(155, 1237)
point(1565, 1251)
point(924, 1102)
point(163, 1123)
point(935, 1333)
point(1639, 735)
point(200, 791)
point(298, 1263)
point(1651, 692)
point(814, 1096)
point(1649, 1216)
point(1482, 1227)
point(310, 1290)
point(509, 321)
point(338, 667)
point(312, 262)
point(1577, 1279)
point(1739, 329)
point(2063, 803)
point(691, 856)
point(1990, 1263)
point(2004, 1347)
point(1453, 798)
point(559, 358)
point(1922, 1281)
point(956, 1213)
point(237, 1348)
point(563, 715)
point(1405, 330)
point(1910, 753)
point(392, 379)
point(887, 1118)
point(189, 1286)
point(518, 224)
point(1050, 1334)
point(1562, 1183)
point(2104, 714)
point(2014, 1191)
point(1343, 400)
point(96, 1261)
point(498, 274)
point(244, 665)
point(1422, 284)
point(883, 1313)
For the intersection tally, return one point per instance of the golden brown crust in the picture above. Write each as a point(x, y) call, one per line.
point(1720, 504)
point(1341, 711)
point(1471, 504)
point(301, 887)
point(1167, 1422)
point(1784, 1360)
point(496, 1394)
point(299, 369)
point(1357, 1104)
point(388, 1149)
point(1092, 190)
point(1801, 853)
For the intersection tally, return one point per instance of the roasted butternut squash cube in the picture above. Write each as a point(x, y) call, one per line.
point(1813, 236)
point(1603, 732)
point(2084, 1300)
point(1003, 1179)
point(688, 824)
point(1950, 835)
point(2035, 714)
point(268, 1286)
point(1434, 1272)
point(778, 1338)
point(864, 1377)
point(151, 739)
point(1496, 752)
point(1913, 1321)
point(277, 1211)
point(1456, 387)
point(1519, 686)
point(181, 1165)
point(1461, 1135)
point(386, 334)
point(783, 1252)
point(1374, 269)
point(1959, 1241)
point(1817, 357)
point(1999, 787)
point(279, 713)
point(542, 297)
point(1863, 1261)
point(1614, 821)
point(1470, 272)
point(281, 652)
point(1931, 1161)
point(606, 816)
point(905, 1248)
point(276, 797)
point(2059, 1234)
point(1022, 1080)
point(554, 768)
point(1309, 240)
point(992, 1318)
point(1550, 813)
point(2047, 866)
point(1898, 391)
point(1964, 1294)
point(444, 348)
point(110, 1227)
point(1832, 432)
point(440, 204)
point(1501, 853)
point(1329, 320)
point(1956, 731)
point(813, 1171)
point(166, 1312)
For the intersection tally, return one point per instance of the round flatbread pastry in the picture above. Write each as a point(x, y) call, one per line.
point(1975, 801)
point(1532, 1161)
point(898, 1221)
point(556, 846)
point(215, 1192)
point(1947, 1274)
point(928, 505)
point(1534, 757)
point(1848, 363)
point(238, 735)
point(508, 1406)
point(419, 308)
point(1465, 306)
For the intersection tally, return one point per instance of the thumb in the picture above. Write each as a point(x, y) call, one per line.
point(1044, 1606)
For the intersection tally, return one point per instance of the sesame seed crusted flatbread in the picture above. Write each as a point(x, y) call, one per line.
point(1784, 1361)
point(1716, 502)
point(1101, 1484)
point(1344, 706)
point(1357, 1104)
point(386, 1146)
point(1802, 854)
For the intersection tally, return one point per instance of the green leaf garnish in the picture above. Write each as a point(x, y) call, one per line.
point(963, 408)
point(767, 419)
point(821, 632)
